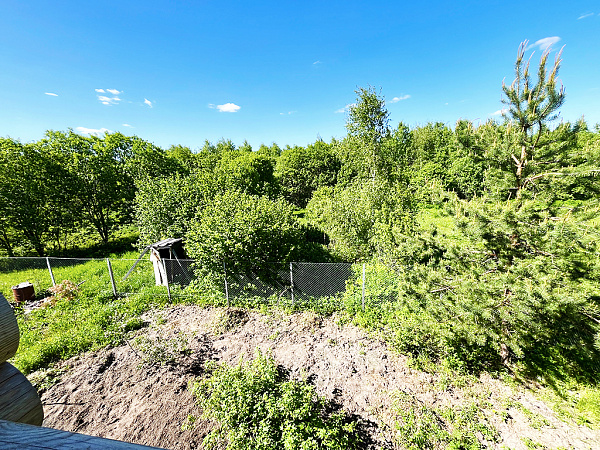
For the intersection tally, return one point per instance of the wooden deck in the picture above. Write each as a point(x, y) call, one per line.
point(18, 436)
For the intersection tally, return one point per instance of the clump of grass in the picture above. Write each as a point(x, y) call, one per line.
point(256, 406)
point(419, 426)
point(161, 350)
point(228, 319)
point(588, 405)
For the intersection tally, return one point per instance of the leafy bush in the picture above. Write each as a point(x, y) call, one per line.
point(257, 407)
point(364, 219)
point(248, 234)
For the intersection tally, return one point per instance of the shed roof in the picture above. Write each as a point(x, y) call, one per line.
point(166, 243)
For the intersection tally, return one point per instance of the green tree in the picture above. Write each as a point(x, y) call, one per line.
point(465, 173)
point(246, 171)
point(368, 128)
point(273, 151)
point(515, 285)
point(363, 219)
point(301, 171)
point(433, 145)
point(24, 206)
point(530, 106)
point(166, 207)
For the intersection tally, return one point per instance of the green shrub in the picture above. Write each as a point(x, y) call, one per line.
point(240, 230)
point(257, 407)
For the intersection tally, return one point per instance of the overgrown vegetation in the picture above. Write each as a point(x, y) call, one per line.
point(480, 242)
point(256, 406)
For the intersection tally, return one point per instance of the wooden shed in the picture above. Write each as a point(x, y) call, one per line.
point(166, 257)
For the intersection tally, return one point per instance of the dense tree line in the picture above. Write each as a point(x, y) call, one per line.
point(362, 191)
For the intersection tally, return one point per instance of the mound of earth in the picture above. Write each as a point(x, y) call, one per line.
point(138, 392)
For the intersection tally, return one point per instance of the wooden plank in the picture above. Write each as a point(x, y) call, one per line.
point(21, 436)
point(7, 370)
point(19, 401)
point(35, 416)
point(9, 331)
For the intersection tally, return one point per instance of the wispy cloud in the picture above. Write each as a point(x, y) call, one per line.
point(345, 108)
point(148, 102)
point(398, 99)
point(108, 100)
point(544, 43)
point(316, 63)
point(105, 100)
point(92, 131)
point(499, 112)
point(127, 125)
point(227, 107)
point(585, 16)
point(289, 113)
point(51, 94)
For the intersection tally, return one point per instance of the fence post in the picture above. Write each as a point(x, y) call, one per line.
point(50, 270)
point(292, 281)
point(112, 277)
point(167, 280)
point(226, 288)
point(363, 288)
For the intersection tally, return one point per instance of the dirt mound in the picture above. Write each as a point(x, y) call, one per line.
point(138, 392)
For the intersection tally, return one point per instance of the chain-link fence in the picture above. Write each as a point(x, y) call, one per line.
point(329, 285)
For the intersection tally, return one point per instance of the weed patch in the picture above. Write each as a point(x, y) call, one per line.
point(419, 426)
point(255, 405)
point(161, 349)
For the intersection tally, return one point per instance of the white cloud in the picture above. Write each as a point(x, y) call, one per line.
point(127, 125)
point(92, 131)
point(499, 112)
point(114, 91)
point(583, 16)
point(345, 108)
point(229, 107)
point(148, 102)
point(317, 63)
point(52, 94)
point(108, 100)
point(289, 113)
point(397, 99)
point(544, 43)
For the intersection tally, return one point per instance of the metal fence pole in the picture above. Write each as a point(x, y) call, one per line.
point(50, 270)
point(112, 277)
point(167, 280)
point(363, 288)
point(226, 287)
point(292, 281)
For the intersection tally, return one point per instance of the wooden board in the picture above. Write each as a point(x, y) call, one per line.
point(9, 331)
point(20, 436)
point(19, 401)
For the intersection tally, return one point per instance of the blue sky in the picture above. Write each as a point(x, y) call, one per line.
point(180, 72)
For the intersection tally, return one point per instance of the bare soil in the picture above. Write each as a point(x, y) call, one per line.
point(138, 392)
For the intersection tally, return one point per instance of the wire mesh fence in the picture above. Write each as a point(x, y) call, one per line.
point(329, 285)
